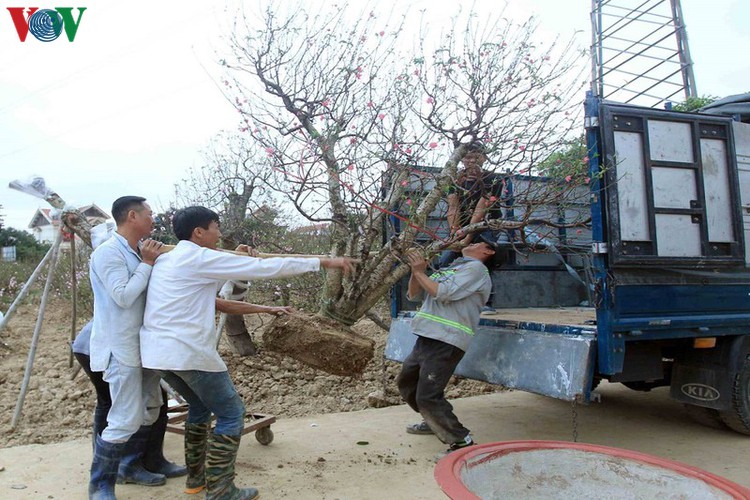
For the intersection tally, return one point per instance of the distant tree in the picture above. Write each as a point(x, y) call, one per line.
point(694, 103)
point(1, 217)
point(571, 160)
point(27, 248)
point(163, 227)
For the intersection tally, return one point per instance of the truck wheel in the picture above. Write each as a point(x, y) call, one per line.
point(737, 417)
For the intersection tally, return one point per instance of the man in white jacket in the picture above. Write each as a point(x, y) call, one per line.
point(119, 272)
point(179, 339)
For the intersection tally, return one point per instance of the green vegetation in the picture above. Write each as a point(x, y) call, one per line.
point(27, 248)
point(694, 103)
point(570, 162)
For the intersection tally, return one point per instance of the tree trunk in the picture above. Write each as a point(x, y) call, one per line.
point(238, 336)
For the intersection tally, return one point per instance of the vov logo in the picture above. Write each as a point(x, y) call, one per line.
point(45, 25)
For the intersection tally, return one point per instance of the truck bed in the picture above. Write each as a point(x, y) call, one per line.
point(564, 316)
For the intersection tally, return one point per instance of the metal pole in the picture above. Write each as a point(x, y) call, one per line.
point(220, 327)
point(686, 63)
point(74, 293)
point(37, 330)
point(25, 290)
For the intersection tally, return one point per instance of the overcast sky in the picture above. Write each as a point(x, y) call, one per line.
point(127, 107)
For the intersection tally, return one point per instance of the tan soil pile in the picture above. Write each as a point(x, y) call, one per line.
point(60, 409)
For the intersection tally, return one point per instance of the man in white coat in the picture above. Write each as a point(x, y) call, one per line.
point(179, 339)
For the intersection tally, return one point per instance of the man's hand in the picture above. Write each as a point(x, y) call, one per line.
point(416, 260)
point(150, 250)
point(346, 264)
point(279, 310)
point(246, 249)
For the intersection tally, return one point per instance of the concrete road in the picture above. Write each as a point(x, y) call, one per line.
point(367, 454)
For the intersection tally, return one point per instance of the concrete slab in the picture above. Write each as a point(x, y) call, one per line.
point(319, 457)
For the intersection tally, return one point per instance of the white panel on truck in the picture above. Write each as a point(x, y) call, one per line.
point(683, 237)
point(742, 146)
point(670, 141)
point(673, 187)
point(631, 190)
point(716, 188)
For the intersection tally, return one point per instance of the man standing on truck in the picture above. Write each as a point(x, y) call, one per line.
point(475, 194)
point(445, 324)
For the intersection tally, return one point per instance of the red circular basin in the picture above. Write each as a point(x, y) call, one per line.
point(564, 470)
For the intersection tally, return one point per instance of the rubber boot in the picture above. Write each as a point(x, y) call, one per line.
point(222, 453)
point(104, 469)
point(131, 465)
point(153, 455)
point(100, 423)
point(196, 443)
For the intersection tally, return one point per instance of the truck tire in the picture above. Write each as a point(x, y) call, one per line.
point(737, 417)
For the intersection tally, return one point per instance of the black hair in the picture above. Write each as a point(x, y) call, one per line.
point(187, 219)
point(125, 204)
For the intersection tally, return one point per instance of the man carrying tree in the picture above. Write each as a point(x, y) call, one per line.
point(444, 325)
point(178, 338)
point(119, 272)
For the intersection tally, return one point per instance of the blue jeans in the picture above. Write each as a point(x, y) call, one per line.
point(207, 393)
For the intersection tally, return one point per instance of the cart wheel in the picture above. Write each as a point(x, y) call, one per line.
point(264, 435)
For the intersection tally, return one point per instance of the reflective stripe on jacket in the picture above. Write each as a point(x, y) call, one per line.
point(452, 316)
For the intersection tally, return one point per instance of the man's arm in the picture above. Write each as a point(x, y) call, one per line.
point(478, 215)
point(419, 280)
point(224, 266)
point(238, 307)
point(110, 268)
point(452, 215)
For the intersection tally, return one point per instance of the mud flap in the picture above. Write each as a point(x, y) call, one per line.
point(704, 377)
point(701, 386)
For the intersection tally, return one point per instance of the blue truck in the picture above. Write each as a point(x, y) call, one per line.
point(654, 291)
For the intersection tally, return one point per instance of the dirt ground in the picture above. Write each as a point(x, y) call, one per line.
point(58, 408)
